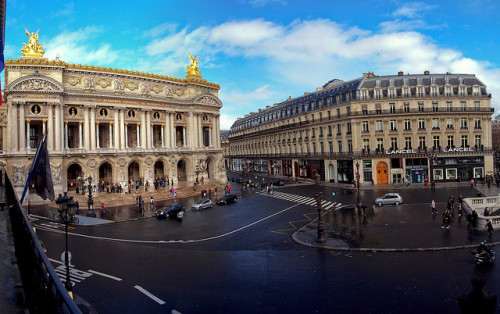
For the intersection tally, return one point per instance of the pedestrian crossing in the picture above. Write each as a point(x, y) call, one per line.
point(307, 200)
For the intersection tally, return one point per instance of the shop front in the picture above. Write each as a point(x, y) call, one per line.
point(416, 170)
point(453, 169)
point(345, 171)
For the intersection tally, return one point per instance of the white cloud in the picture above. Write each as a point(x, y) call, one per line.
point(67, 11)
point(309, 53)
point(412, 9)
point(73, 47)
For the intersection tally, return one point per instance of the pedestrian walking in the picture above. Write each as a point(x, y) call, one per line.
point(77, 207)
point(103, 211)
point(433, 208)
point(171, 192)
point(489, 227)
point(446, 219)
point(175, 192)
point(472, 183)
point(151, 203)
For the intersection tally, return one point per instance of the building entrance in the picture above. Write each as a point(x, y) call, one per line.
point(382, 177)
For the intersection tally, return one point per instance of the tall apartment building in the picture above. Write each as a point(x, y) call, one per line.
point(111, 124)
point(380, 129)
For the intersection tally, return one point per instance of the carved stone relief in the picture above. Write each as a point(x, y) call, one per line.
point(19, 176)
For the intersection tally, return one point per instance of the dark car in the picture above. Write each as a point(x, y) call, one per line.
point(175, 210)
point(228, 198)
point(278, 182)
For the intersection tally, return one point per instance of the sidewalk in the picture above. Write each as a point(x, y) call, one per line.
point(388, 229)
point(11, 292)
point(121, 207)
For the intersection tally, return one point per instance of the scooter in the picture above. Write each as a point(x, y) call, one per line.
point(483, 257)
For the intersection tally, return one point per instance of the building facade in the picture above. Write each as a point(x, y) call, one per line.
point(375, 129)
point(116, 126)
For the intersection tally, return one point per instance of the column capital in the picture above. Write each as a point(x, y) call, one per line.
point(80, 122)
point(28, 120)
point(126, 123)
point(111, 123)
point(65, 122)
point(44, 121)
point(97, 123)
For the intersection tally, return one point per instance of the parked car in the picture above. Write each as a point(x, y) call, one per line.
point(206, 203)
point(226, 199)
point(278, 182)
point(389, 199)
point(172, 211)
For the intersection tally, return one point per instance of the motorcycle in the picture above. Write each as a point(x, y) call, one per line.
point(483, 257)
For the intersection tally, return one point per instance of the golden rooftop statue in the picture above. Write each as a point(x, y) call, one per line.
point(192, 69)
point(33, 48)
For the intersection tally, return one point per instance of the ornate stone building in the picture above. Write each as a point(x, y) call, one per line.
point(380, 129)
point(114, 125)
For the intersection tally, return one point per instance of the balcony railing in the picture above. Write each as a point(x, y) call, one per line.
point(43, 289)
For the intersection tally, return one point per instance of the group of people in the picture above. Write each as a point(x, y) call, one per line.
point(449, 212)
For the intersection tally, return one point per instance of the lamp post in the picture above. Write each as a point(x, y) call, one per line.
point(321, 229)
point(66, 204)
point(90, 202)
point(357, 183)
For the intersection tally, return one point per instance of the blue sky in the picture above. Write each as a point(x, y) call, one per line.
point(262, 51)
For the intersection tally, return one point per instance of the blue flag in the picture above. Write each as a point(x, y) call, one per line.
point(40, 170)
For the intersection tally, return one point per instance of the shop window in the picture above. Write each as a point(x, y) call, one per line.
point(451, 174)
point(438, 174)
point(478, 172)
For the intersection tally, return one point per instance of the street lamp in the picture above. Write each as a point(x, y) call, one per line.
point(357, 183)
point(90, 202)
point(321, 229)
point(66, 204)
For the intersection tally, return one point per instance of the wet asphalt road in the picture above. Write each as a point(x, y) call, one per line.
point(244, 260)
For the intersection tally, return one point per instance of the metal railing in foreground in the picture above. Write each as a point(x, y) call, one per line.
point(44, 292)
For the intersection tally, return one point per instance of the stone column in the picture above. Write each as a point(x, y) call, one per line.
point(138, 135)
point(22, 128)
point(184, 136)
point(80, 135)
point(93, 127)
point(152, 136)
point(97, 135)
point(123, 140)
point(126, 135)
point(58, 131)
point(28, 134)
point(148, 130)
point(86, 128)
point(50, 126)
point(210, 133)
point(66, 135)
point(143, 130)
point(173, 139)
point(44, 127)
point(200, 130)
point(111, 135)
point(12, 111)
point(167, 130)
point(116, 130)
point(162, 137)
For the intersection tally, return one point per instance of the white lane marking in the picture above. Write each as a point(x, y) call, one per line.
point(104, 275)
point(175, 312)
point(150, 295)
point(172, 241)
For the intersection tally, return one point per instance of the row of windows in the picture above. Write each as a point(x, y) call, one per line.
point(393, 145)
point(419, 91)
point(393, 124)
point(304, 108)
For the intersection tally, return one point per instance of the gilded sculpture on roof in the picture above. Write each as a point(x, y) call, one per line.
point(192, 69)
point(33, 48)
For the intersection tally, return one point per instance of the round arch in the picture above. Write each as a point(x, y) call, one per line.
point(182, 170)
point(73, 175)
point(106, 172)
point(134, 171)
point(211, 167)
point(159, 169)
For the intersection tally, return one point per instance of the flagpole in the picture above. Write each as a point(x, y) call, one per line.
point(30, 174)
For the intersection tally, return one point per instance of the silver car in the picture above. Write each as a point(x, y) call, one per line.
point(389, 199)
point(206, 203)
